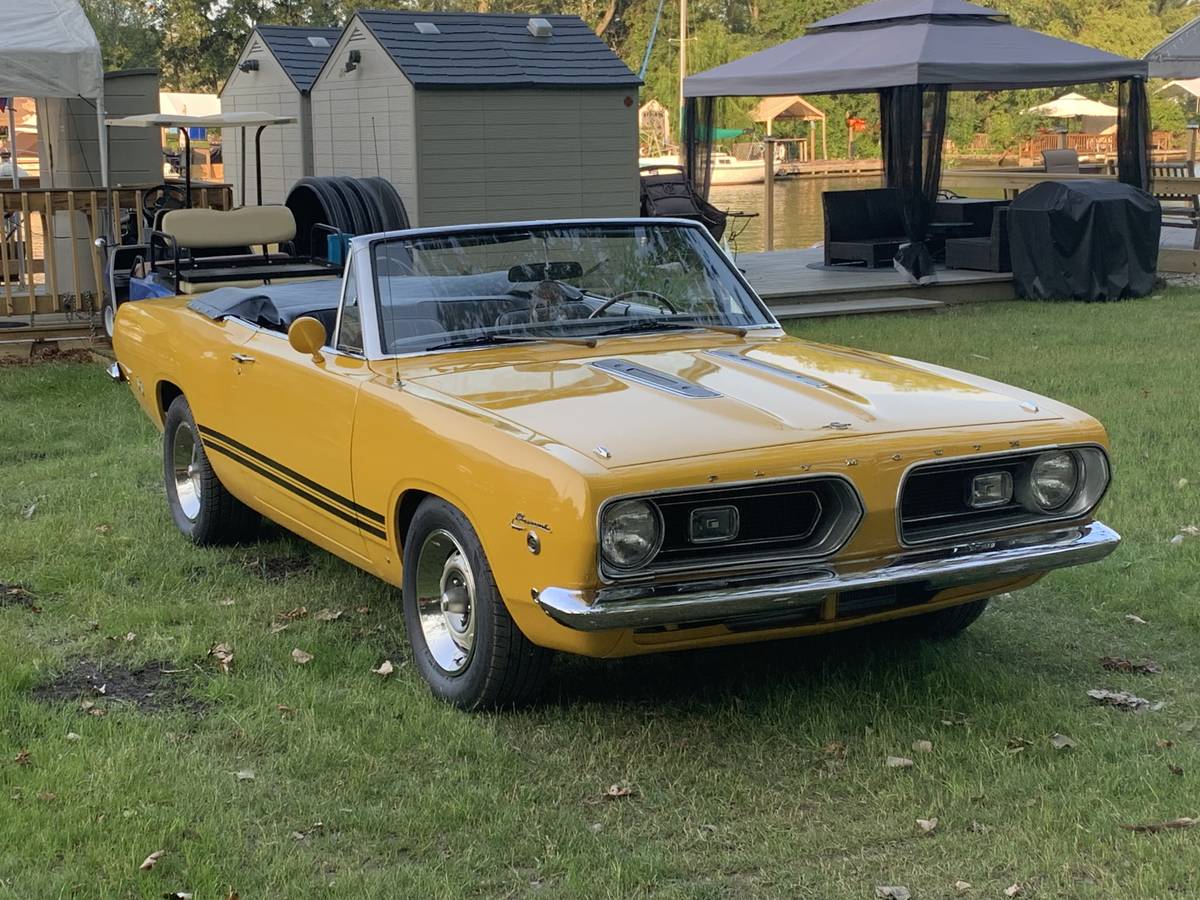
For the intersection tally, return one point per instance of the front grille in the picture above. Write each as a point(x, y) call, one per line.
point(779, 520)
point(934, 496)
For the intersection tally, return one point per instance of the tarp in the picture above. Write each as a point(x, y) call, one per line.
point(893, 43)
point(1179, 55)
point(48, 49)
point(1084, 240)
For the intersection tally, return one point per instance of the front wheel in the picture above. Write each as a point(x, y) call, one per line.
point(200, 505)
point(948, 622)
point(465, 644)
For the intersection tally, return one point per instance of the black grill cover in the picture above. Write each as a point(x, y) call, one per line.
point(1084, 240)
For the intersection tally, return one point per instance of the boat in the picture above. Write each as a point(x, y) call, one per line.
point(726, 169)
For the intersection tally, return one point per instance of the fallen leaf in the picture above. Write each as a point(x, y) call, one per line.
point(28, 511)
point(1124, 700)
point(130, 637)
point(177, 895)
point(892, 892)
point(283, 710)
point(927, 825)
point(1134, 620)
point(1120, 664)
point(277, 627)
point(1181, 483)
point(22, 758)
point(328, 615)
point(47, 796)
point(299, 612)
point(1164, 743)
point(596, 827)
point(1017, 744)
point(923, 746)
point(1155, 827)
point(222, 655)
point(898, 762)
point(835, 749)
point(228, 601)
point(1175, 770)
point(618, 792)
point(151, 861)
point(72, 736)
point(1013, 890)
point(92, 709)
point(300, 657)
point(232, 895)
point(385, 669)
point(962, 886)
point(103, 529)
point(245, 775)
point(1177, 540)
point(362, 610)
point(1061, 742)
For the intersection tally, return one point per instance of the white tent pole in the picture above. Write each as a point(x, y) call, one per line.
point(12, 143)
point(102, 136)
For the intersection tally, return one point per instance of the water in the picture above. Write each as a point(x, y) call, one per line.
point(798, 217)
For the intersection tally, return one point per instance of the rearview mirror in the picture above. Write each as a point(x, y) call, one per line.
point(307, 336)
point(555, 271)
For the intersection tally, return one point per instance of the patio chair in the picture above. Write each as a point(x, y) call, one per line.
point(983, 254)
point(1179, 210)
point(1065, 161)
point(667, 191)
point(864, 226)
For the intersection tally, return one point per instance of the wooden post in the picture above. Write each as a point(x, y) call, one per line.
point(48, 261)
point(4, 275)
point(74, 251)
point(27, 227)
point(97, 267)
point(769, 200)
point(1193, 127)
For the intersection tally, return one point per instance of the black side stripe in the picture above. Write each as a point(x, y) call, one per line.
point(370, 529)
point(294, 475)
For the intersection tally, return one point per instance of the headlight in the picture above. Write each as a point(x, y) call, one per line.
point(1053, 479)
point(630, 533)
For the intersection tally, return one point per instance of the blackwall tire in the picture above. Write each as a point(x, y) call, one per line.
point(464, 643)
point(949, 622)
point(202, 508)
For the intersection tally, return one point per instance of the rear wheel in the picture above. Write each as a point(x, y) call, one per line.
point(200, 505)
point(948, 622)
point(465, 644)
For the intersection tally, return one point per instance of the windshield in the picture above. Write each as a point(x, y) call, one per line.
point(553, 282)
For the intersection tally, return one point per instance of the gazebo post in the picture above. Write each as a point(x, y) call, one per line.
point(769, 188)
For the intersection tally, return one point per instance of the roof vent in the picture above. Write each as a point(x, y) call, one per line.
point(541, 28)
point(318, 41)
point(427, 28)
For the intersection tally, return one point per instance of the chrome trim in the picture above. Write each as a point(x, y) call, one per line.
point(734, 356)
point(646, 571)
point(717, 600)
point(116, 373)
point(653, 378)
point(1002, 454)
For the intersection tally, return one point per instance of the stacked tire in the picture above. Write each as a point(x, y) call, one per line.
point(351, 205)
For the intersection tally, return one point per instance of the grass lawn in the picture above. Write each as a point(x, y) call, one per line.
point(755, 772)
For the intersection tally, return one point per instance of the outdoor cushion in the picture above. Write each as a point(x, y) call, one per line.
point(246, 226)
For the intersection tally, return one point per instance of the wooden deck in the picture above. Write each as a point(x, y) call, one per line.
point(830, 168)
point(784, 280)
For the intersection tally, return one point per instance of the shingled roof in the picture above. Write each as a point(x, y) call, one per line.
point(496, 51)
point(300, 58)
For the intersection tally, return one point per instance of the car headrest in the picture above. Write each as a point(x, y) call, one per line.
point(246, 226)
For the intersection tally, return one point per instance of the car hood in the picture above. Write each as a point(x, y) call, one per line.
point(651, 405)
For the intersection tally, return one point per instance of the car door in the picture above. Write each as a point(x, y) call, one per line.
point(294, 416)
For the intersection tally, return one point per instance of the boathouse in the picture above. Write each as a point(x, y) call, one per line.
point(274, 74)
point(477, 117)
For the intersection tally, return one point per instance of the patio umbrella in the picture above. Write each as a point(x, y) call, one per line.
point(1074, 106)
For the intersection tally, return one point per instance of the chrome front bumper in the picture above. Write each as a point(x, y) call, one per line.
point(716, 600)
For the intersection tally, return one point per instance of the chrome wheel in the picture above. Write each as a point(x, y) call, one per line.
point(446, 601)
point(110, 317)
point(185, 466)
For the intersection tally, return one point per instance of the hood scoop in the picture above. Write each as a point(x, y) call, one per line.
point(644, 375)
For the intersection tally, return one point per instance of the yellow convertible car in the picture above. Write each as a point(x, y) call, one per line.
point(592, 436)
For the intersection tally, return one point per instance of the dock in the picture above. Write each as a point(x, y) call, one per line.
point(793, 289)
point(830, 168)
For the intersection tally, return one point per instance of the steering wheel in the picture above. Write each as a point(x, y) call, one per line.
point(625, 296)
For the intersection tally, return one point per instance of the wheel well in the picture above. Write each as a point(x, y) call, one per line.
point(167, 393)
point(405, 510)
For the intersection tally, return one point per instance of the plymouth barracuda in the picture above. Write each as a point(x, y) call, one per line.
point(593, 437)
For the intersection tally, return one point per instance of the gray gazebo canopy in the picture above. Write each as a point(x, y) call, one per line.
point(1179, 55)
point(911, 52)
point(908, 42)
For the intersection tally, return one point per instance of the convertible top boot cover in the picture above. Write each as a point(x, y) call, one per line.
point(1084, 240)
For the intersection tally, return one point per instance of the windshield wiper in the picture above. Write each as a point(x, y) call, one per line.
point(482, 340)
point(673, 325)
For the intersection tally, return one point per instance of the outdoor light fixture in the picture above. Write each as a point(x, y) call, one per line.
point(248, 65)
point(353, 60)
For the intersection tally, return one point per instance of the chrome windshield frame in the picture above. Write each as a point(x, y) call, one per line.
point(362, 248)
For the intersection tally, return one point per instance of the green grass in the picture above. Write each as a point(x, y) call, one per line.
point(736, 795)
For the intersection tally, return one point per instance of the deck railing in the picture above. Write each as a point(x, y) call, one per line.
point(49, 262)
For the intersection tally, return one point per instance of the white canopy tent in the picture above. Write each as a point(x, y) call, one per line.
point(50, 50)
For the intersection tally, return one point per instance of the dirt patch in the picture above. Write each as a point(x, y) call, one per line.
point(46, 353)
point(18, 595)
point(155, 687)
point(277, 568)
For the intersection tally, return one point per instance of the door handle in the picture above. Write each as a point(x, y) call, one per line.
point(242, 358)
